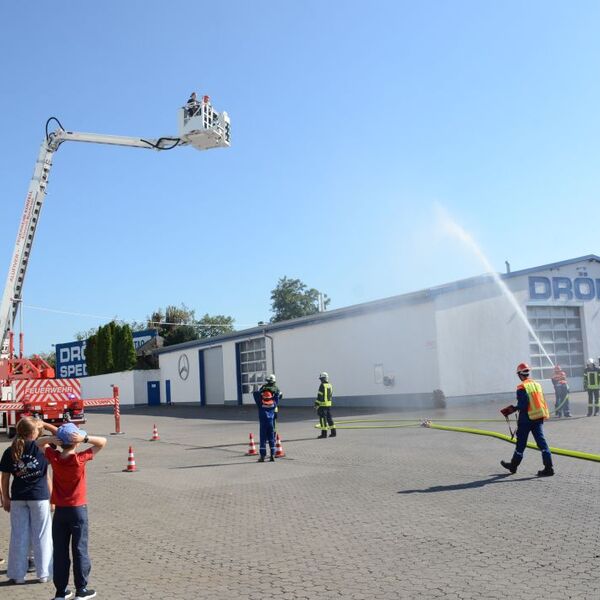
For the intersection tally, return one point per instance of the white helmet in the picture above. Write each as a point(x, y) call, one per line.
point(271, 378)
point(591, 361)
point(324, 376)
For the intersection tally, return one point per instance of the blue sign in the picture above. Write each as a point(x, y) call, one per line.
point(564, 288)
point(70, 360)
point(70, 357)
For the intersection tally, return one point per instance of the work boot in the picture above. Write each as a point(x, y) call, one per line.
point(323, 435)
point(261, 459)
point(589, 412)
point(509, 465)
point(546, 472)
point(332, 433)
point(271, 458)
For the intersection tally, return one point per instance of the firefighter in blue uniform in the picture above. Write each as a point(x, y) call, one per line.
point(323, 405)
point(591, 384)
point(561, 392)
point(271, 386)
point(533, 409)
point(266, 402)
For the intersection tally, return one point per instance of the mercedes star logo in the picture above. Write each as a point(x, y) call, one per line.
point(183, 366)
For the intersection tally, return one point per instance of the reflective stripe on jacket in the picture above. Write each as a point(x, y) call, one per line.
point(591, 379)
point(537, 407)
point(325, 395)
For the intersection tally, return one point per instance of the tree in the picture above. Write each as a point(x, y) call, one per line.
point(130, 356)
point(91, 354)
point(49, 357)
point(175, 325)
point(105, 361)
point(291, 299)
point(213, 325)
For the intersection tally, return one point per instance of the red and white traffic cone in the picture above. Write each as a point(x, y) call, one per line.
point(252, 447)
point(278, 447)
point(155, 437)
point(130, 462)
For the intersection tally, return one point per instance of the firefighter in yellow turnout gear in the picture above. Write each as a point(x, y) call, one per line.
point(323, 405)
point(591, 384)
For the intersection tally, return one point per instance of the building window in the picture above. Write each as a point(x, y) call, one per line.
point(253, 364)
point(559, 330)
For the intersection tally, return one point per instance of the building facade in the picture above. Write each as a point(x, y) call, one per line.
point(464, 338)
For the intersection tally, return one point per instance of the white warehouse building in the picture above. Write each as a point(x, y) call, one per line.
point(464, 338)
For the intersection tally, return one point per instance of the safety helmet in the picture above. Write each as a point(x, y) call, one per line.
point(271, 378)
point(591, 361)
point(324, 376)
point(523, 369)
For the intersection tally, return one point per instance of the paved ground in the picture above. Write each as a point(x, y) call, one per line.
point(375, 513)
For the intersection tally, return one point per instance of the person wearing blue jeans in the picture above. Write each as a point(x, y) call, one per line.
point(69, 494)
point(28, 502)
point(533, 409)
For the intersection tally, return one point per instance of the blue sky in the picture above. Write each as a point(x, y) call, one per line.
point(350, 122)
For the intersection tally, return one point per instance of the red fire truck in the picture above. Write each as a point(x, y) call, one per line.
point(28, 385)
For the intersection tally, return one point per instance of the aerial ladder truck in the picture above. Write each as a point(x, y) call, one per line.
point(28, 385)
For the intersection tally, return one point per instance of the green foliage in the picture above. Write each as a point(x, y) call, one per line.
point(105, 361)
point(214, 325)
point(179, 324)
point(91, 354)
point(110, 350)
point(130, 357)
point(292, 299)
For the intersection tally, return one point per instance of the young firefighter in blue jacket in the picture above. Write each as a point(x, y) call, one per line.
point(266, 402)
point(533, 409)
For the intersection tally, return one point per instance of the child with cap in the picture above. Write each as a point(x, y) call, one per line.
point(69, 495)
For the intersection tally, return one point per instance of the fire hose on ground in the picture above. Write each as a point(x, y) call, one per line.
point(354, 424)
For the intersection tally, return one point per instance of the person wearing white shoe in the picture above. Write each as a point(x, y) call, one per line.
point(28, 502)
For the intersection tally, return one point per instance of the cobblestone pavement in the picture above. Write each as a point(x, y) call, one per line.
point(371, 514)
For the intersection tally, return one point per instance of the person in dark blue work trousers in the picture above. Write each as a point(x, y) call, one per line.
point(266, 402)
point(533, 409)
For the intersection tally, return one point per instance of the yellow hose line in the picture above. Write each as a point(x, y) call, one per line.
point(506, 438)
point(343, 426)
point(345, 421)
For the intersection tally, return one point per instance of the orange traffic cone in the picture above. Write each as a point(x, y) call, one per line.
point(130, 462)
point(278, 447)
point(252, 447)
point(155, 435)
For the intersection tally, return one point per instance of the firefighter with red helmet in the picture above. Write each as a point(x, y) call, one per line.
point(533, 409)
point(561, 392)
point(266, 402)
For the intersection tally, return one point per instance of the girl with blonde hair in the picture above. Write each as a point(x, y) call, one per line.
point(28, 502)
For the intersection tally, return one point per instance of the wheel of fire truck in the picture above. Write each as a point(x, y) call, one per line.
point(12, 431)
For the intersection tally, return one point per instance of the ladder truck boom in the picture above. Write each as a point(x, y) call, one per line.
point(203, 129)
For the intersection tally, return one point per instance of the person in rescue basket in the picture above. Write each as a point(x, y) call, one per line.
point(533, 410)
point(266, 402)
point(69, 494)
point(28, 502)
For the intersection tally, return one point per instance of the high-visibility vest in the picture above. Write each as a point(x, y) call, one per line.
point(537, 409)
point(592, 380)
point(325, 395)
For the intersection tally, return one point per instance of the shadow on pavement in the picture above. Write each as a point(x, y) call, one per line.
point(468, 485)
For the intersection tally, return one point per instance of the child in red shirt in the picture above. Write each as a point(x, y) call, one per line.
point(69, 495)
